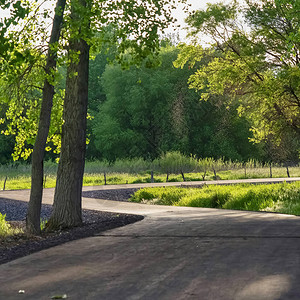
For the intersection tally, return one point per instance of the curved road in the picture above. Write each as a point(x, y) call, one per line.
point(174, 253)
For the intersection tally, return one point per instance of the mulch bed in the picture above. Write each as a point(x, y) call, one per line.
point(94, 222)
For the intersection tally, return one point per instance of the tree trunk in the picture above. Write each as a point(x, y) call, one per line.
point(4, 183)
point(287, 171)
point(215, 175)
point(182, 174)
point(67, 199)
point(37, 171)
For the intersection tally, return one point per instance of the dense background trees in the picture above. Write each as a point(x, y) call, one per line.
point(150, 111)
point(255, 50)
point(249, 77)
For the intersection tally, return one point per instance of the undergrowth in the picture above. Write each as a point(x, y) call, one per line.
point(5, 228)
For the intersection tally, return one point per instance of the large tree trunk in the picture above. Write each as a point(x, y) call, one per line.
point(37, 172)
point(67, 198)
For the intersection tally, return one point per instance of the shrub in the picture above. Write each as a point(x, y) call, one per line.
point(5, 228)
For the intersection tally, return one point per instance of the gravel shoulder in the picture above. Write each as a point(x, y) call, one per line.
point(21, 245)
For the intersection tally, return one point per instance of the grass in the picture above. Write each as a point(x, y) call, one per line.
point(281, 198)
point(6, 229)
point(18, 175)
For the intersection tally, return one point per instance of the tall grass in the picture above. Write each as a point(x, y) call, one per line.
point(283, 198)
point(171, 166)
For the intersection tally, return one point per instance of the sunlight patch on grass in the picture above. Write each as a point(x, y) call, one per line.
point(282, 198)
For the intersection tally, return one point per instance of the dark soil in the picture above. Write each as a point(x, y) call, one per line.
point(21, 245)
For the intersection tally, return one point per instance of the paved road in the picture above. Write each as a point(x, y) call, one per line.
point(174, 253)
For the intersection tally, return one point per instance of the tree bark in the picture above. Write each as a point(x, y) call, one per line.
point(67, 199)
point(37, 171)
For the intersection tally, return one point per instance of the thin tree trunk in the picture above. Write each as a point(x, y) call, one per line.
point(182, 174)
point(37, 171)
point(287, 171)
point(4, 183)
point(152, 177)
point(270, 170)
point(215, 175)
point(67, 199)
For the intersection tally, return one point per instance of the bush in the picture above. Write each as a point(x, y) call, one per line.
point(5, 228)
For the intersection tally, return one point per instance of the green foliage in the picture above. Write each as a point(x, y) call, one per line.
point(138, 118)
point(151, 111)
point(130, 28)
point(5, 228)
point(139, 171)
point(163, 196)
point(283, 198)
point(43, 223)
point(175, 163)
point(22, 76)
point(259, 66)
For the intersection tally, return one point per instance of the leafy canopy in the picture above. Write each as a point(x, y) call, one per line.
point(255, 56)
point(133, 25)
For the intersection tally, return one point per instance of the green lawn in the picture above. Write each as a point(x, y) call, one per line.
point(18, 177)
point(282, 198)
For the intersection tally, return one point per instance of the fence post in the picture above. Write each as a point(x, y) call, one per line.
point(287, 171)
point(4, 183)
point(182, 174)
point(104, 178)
point(270, 170)
point(152, 177)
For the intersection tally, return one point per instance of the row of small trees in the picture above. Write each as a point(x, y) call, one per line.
point(178, 163)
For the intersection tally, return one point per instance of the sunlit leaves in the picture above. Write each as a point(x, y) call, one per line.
point(131, 27)
point(258, 63)
point(190, 54)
